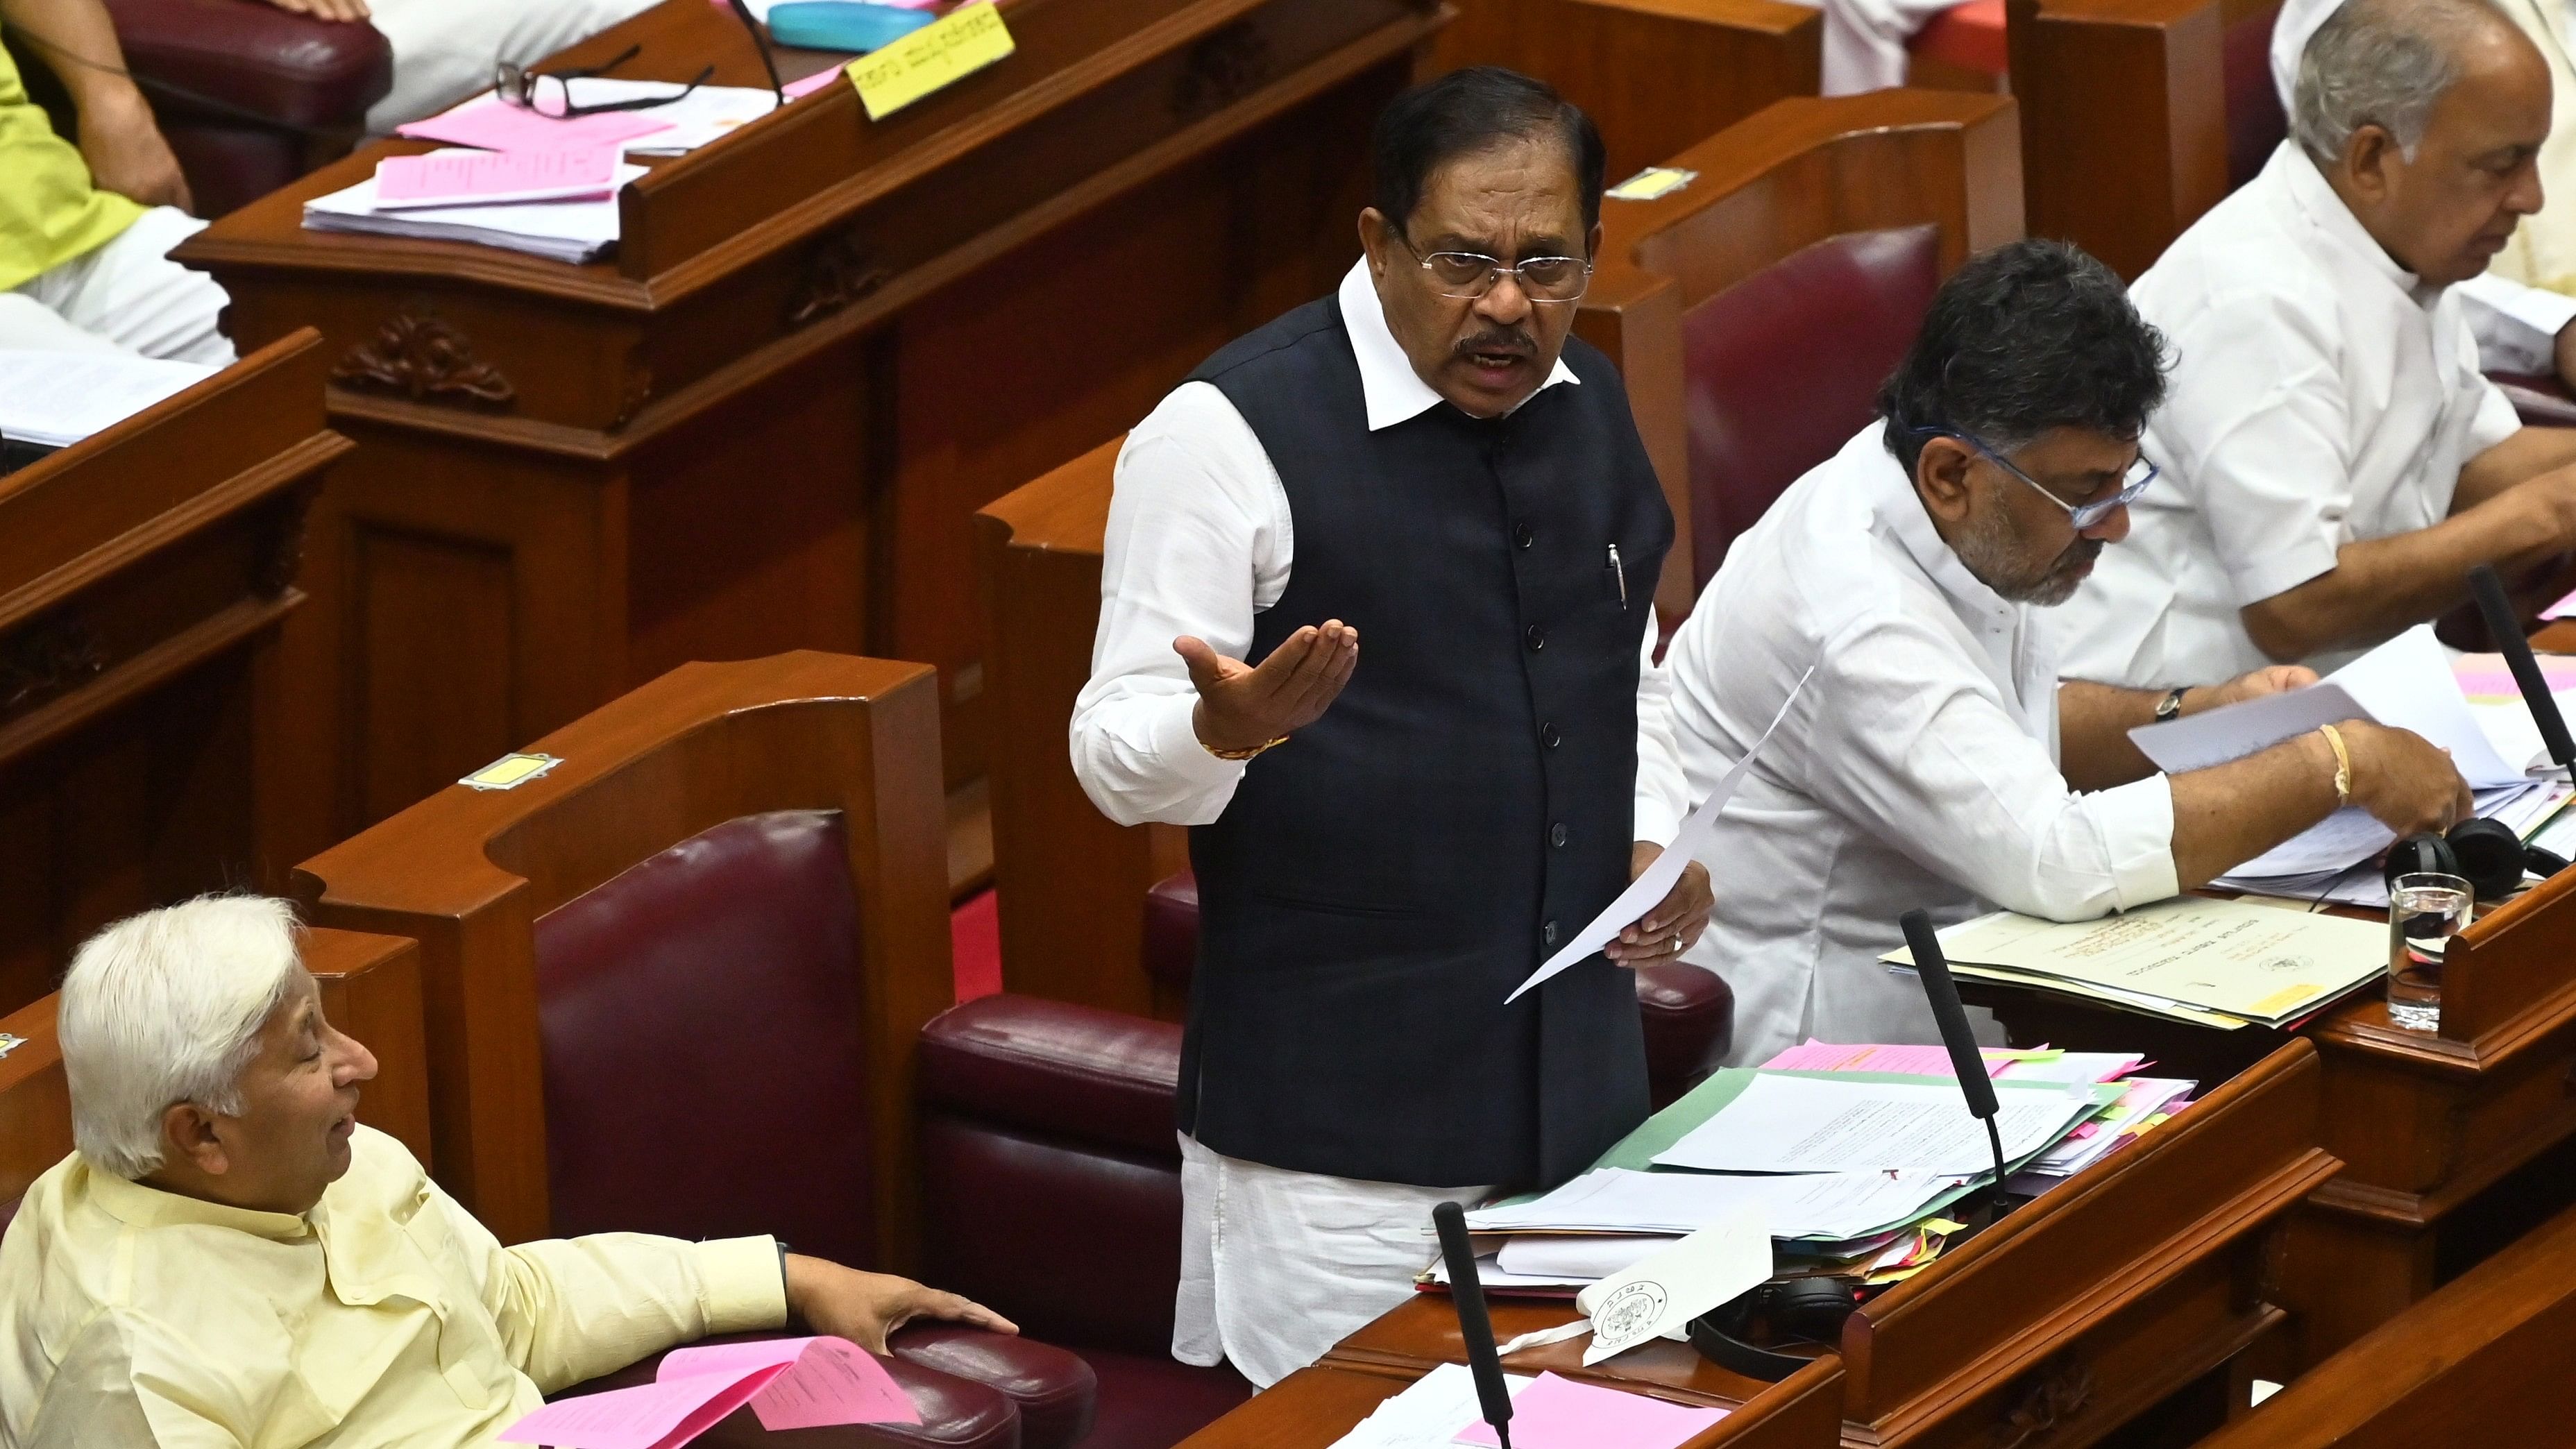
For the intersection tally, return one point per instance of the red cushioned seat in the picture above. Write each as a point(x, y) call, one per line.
point(1969, 36)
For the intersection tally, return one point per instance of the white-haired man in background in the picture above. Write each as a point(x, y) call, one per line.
point(2335, 462)
point(229, 1258)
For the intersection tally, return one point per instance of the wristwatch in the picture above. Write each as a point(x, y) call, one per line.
point(2170, 706)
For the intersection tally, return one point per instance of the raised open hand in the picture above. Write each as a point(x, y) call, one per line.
point(1243, 707)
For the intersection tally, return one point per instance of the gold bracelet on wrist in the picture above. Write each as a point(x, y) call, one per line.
point(2343, 764)
point(1239, 755)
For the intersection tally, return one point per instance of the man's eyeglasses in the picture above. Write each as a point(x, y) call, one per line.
point(551, 94)
point(2132, 483)
point(1469, 275)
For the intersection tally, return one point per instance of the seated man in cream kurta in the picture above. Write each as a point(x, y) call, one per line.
point(230, 1259)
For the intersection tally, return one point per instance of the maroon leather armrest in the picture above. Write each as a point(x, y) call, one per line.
point(251, 56)
point(1171, 947)
point(1689, 1018)
point(2542, 401)
point(1055, 1069)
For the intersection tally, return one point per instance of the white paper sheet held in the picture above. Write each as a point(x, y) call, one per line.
point(1656, 881)
point(1817, 1124)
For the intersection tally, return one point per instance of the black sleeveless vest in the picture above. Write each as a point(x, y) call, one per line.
point(1380, 883)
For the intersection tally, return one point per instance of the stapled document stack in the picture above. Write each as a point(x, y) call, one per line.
point(566, 231)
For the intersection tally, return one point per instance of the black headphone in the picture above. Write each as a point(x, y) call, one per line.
point(1809, 1308)
point(2485, 853)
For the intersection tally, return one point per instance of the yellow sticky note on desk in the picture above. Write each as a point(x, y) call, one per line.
point(944, 51)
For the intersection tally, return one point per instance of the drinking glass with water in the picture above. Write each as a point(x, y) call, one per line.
point(2424, 912)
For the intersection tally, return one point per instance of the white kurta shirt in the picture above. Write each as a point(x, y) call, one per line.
point(2320, 396)
point(1917, 769)
point(1200, 540)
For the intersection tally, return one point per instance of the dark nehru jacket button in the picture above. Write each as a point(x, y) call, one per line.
point(1522, 535)
point(1549, 736)
point(1548, 933)
point(1537, 638)
point(1556, 835)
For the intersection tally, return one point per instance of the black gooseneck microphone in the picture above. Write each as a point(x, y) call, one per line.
point(1468, 1292)
point(1965, 1059)
point(2506, 628)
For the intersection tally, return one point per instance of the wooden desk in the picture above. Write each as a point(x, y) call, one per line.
point(1313, 1407)
point(1655, 75)
point(2483, 1361)
point(145, 736)
point(2452, 1144)
point(765, 421)
point(370, 989)
point(2125, 1295)
point(1073, 883)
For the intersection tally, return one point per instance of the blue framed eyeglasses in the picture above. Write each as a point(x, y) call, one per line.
point(2132, 483)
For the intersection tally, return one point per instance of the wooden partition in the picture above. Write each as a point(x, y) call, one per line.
point(1314, 1407)
point(2124, 1296)
point(147, 716)
point(370, 989)
point(467, 873)
point(2483, 1362)
point(765, 421)
point(1655, 75)
point(1073, 884)
point(2453, 1142)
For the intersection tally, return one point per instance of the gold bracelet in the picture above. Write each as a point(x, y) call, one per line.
point(2343, 764)
point(1240, 755)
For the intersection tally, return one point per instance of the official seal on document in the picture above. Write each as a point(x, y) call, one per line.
point(2288, 965)
point(1628, 1312)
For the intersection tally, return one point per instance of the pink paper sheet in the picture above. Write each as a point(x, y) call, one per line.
point(1556, 1413)
point(494, 125)
point(461, 176)
point(812, 83)
point(790, 1383)
point(2564, 609)
point(1912, 1061)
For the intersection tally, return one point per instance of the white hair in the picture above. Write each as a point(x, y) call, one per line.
point(2381, 63)
point(166, 1007)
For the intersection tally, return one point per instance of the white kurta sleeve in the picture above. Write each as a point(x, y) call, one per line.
point(1197, 543)
point(1663, 792)
point(2517, 326)
point(1928, 759)
point(2265, 415)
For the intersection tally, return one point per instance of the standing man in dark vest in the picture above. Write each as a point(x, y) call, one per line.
point(1389, 838)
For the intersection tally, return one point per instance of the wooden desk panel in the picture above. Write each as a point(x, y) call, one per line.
point(146, 715)
point(764, 422)
point(2482, 1362)
point(2447, 1139)
point(370, 989)
point(2141, 1279)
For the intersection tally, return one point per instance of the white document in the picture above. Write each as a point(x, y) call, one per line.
point(1429, 1413)
point(1818, 1124)
point(1579, 1257)
point(1820, 1206)
point(701, 116)
point(2405, 683)
point(59, 398)
point(1656, 881)
point(1718, 1263)
point(565, 231)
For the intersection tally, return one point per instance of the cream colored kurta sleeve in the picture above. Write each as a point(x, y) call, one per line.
point(571, 1309)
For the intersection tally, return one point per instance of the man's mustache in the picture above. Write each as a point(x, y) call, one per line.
point(1498, 340)
point(2082, 551)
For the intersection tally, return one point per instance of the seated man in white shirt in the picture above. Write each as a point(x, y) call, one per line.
point(1933, 759)
point(445, 50)
point(2335, 462)
point(229, 1258)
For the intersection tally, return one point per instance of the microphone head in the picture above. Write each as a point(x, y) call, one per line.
point(1943, 994)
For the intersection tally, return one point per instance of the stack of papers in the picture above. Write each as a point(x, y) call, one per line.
point(55, 399)
point(565, 231)
point(2208, 962)
point(684, 124)
point(1833, 1124)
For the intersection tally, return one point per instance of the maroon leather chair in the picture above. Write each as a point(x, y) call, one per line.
point(1689, 1013)
point(1049, 1156)
point(250, 97)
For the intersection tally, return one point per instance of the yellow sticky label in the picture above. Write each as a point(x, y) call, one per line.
point(2285, 998)
point(937, 54)
point(510, 770)
point(1943, 1226)
point(1652, 182)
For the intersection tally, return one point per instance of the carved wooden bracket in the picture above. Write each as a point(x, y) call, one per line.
point(426, 360)
point(838, 272)
point(46, 658)
point(2058, 1393)
point(279, 555)
point(1222, 69)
